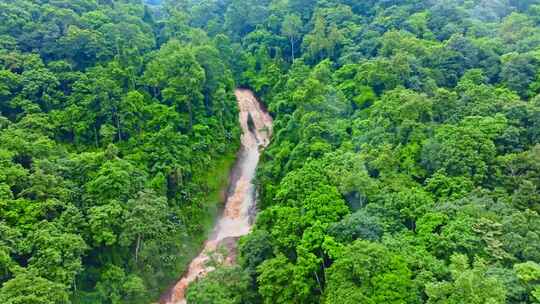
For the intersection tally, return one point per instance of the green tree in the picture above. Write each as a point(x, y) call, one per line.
point(26, 287)
point(224, 286)
point(369, 272)
point(177, 78)
point(274, 281)
point(291, 27)
point(529, 274)
point(144, 218)
point(469, 284)
point(115, 286)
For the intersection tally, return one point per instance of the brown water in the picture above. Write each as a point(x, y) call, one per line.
point(240, 204)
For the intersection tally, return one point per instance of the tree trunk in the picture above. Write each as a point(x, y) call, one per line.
point(190, 111)
point(132, 78)
point(318, 281)
point(96, 136)
point(115, 117)
point(137, 247)
point(118, 127)
point(292, 50)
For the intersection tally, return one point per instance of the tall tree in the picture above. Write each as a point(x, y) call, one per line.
point(291, 27)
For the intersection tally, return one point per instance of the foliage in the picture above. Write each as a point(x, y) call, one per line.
point(403, 168)
point(111, 137)
point(404, 142)
point(224, 285)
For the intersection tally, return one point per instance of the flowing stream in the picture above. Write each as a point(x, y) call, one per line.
point(239, 209)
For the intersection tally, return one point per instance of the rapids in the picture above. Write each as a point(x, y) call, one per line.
point(238, 212)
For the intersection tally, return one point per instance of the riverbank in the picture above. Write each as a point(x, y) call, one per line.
point(217, 181)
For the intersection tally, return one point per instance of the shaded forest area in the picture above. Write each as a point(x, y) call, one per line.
point(404, 167)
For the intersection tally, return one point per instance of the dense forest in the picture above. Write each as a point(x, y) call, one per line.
point(116, 132)
point(404, 166)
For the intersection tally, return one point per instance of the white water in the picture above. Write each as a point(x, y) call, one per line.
point(236, 218)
